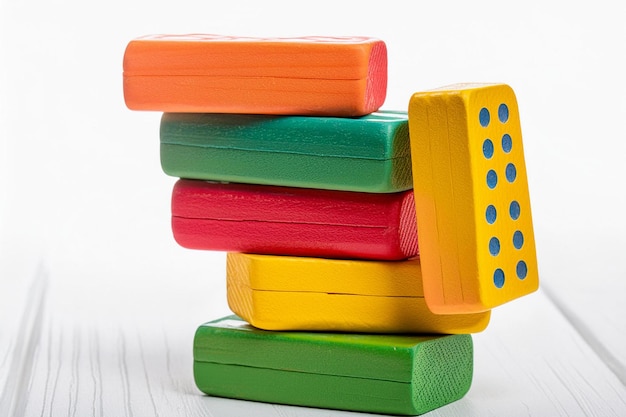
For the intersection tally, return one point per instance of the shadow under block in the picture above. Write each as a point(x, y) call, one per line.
point(365, 154)
point(203, 73)
point(265, 219)
point(391, 374)
point(476, 237)
point(315, 294)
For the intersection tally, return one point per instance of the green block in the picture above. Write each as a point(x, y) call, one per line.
point(389, 374)
point(367, 154)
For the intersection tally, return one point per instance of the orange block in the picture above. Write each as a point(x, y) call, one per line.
point(314, 76)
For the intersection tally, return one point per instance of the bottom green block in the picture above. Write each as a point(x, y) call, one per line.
point(390, 374)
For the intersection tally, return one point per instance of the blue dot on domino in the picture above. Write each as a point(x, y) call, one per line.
point(507, 143)
point(484, 117)
point(491, 214)
point(492, 179)
point(521, 269)
point(511, 172)
point(503, 113)
point(488, 148)
point(494, 246)
point(514, 210)
point(518, 239)
point(498, 278)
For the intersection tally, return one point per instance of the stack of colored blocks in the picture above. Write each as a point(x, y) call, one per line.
point(287, 163)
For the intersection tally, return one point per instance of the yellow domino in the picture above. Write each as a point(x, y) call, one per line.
point(315, 294)
point(474, 221)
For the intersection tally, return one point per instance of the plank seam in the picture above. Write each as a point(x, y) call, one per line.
point(611, 361)
point(15, 396)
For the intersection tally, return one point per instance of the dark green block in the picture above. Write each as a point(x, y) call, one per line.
point(368, 154)
point(390, 374)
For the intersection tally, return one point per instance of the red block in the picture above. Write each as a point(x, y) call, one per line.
point(275, 220)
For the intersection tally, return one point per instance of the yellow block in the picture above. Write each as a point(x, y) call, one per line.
point(315, 294)
point(474, 221)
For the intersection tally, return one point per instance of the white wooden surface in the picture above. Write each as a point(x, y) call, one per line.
point(589, 289)
point(116, 341)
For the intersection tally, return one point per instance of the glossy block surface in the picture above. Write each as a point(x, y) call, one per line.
point(205, 73)
point(389, 374)
point(265, 219)
point(365, 154)
point(301, 293)
point(476, 236)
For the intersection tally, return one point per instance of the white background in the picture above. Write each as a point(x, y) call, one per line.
point(80, 180)
point(72, 154)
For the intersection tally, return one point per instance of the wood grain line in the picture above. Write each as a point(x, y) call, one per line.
point(96, 373)
point(145, 375)
point(125, 375)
